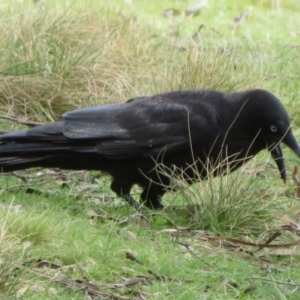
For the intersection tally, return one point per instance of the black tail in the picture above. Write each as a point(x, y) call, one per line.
point(66, 161)
point(18, 151)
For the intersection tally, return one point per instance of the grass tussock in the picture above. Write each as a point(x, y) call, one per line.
point(53, 61)
point(239, 202)
point(229, 204)
point(29, 226)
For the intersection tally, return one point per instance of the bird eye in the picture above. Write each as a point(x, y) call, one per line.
point(273, 128)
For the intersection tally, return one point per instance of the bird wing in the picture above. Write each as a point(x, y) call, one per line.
point(145, 126)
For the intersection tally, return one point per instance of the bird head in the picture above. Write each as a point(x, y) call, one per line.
point(269, 124)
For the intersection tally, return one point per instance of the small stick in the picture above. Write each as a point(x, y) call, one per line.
point(297, 181)
point(18, 121)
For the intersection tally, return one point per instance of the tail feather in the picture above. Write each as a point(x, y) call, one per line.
point(11, 149)
point(65, 161)
point(10, 164)
point(72, 156)
point(46, 146)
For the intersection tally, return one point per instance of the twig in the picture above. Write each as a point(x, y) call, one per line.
point(79, 285)
point(27, 185)
point(271, 239)
point(276, 281)
point(18, 121)
point(25, 178)
point(130, 256)
point(297, 181)
point(264, 245)
point(167, 278)
point(187, 246)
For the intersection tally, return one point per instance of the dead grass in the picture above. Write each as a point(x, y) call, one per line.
point(53, 62)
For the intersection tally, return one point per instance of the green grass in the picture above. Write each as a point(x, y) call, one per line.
point(57, 56)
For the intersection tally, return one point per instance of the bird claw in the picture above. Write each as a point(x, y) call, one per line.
point(135, 204)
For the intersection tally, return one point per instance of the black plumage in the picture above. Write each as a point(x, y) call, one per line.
point(190, 130)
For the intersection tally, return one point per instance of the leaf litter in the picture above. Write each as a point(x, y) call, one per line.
point(247, 249)
point(42, 269)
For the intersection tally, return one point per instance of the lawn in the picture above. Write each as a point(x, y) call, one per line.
point(64, 235)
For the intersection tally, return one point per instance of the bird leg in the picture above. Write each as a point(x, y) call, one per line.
point(122, 187)
point(133, 203)
point(151, 196)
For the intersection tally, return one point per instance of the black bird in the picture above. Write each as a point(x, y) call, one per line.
point(186, 131)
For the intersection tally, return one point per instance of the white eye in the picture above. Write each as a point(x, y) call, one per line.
point(273, 128)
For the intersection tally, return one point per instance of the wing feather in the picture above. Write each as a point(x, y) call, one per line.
point(143, 126)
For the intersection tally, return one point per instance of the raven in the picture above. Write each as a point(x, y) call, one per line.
point(190, 131)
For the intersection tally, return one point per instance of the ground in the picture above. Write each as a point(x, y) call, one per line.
point(64, 235)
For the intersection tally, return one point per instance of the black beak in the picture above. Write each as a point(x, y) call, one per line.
point(277, 156)
point(290, 141)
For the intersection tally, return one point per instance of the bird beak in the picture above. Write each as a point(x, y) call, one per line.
point(290, 141)
point(277, 156)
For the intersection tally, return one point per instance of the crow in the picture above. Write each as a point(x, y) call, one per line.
point(194, 132)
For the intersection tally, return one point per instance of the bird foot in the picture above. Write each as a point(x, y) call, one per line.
point(135, 204)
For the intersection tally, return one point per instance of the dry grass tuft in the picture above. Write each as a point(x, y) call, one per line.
point(54, 62)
